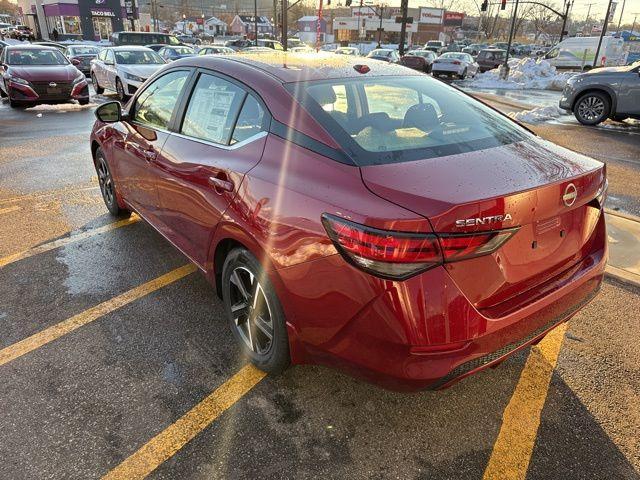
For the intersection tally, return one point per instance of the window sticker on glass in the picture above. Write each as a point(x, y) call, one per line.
point(212, 109)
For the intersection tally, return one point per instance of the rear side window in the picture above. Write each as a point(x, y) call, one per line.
point(250, 121)
point(156, 103)
point(213, 109)
point(396, 119)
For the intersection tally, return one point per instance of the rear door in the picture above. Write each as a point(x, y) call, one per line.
point(629, 93)
point(217, 140)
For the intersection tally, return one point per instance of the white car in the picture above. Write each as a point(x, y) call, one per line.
point(457, 64)
point(347, 51)
point(123, 69)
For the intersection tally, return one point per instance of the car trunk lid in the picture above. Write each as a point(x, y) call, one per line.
point(529, 185)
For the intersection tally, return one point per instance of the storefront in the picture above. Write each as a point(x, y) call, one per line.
point(86, 19)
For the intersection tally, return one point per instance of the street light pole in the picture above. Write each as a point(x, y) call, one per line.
point(633, 26)
point(381, 9)
point(564, 19)
point(284, 25)
point(255, 20)
point(621, 13)
point(505, 68)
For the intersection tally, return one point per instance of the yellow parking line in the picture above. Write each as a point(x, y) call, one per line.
point(521, 419)
point(45, 247)
point(37, 195)
point(9, 209)
point(164, 445)
point(69, 325)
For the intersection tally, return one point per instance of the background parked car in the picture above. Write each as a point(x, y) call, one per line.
point(238, 44)
point(189, 39)
point(175, 53)
point(81, 56)
point(385, 54)
point(143, 38)
point(215, 50)
point(419, 60)
point(347, 51)
point(34, 74)
point(124, 69)
point(603, 93)
point(272, 44)
point(22, 32)
point(302, 49)
point(459, 64)
point(435, 46)
point(156, 46)
point(490, 58)
point(474, 49)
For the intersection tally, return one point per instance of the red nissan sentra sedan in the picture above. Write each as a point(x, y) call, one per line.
point(31, 74)
point(358, 214)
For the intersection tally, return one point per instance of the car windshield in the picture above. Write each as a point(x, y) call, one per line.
point(434, 44)
point(183, 50)
point(419, 53)
point(457, 56)
point(84, 51)
point(380, 53)
point(36, 57)
point(137, 57)
point(395, 119)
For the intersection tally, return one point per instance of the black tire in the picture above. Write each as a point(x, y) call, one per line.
point(259, 300)
point(2, 94)
point(96, 86)
point(592, 108)
point(83, 101)
point(107, 186)
point(13, 103)
point(123, 97)
point(464, 74)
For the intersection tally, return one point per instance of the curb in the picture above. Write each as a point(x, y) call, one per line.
point(622, 275)
point(626, 216)
point(492, 98)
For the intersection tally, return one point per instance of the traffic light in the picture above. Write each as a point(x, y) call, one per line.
point(503, 4)
point(485, 6)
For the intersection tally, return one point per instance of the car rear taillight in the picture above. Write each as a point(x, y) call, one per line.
point(456, 62)
point(400, 255)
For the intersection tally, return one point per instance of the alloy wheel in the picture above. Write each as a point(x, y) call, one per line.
point(591, 108)
point(251, 311)
point(105, 181)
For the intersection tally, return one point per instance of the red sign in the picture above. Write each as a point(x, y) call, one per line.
point(453, 19)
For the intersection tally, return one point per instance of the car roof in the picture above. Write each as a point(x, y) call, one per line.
point(29, 46)
point(129, 47)
point(294, 67)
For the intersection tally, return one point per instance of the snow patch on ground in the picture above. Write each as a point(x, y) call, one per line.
point(60, 107)
point(524, 74)
point(538, 114)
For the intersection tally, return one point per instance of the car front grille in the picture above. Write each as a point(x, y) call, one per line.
point(45, 91)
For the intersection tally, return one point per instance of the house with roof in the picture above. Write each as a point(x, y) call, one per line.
point(215, 26)
point(244, 25)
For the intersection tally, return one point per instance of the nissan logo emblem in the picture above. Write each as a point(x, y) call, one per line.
point(53, 84)
point(570, 195)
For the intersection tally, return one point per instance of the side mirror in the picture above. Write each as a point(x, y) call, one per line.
point(110, 112)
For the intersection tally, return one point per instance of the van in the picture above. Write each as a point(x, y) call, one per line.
point(143, 38)
point(579, 53)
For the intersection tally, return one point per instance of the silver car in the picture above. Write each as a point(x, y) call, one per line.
point(602, 93)
point(124, 69)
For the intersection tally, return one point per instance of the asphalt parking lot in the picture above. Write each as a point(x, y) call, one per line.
point(115, 360)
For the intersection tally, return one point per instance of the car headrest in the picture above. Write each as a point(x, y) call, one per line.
point(323, 94)
point(422, 116)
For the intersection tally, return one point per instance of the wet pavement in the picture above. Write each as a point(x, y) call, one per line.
point(80, 399)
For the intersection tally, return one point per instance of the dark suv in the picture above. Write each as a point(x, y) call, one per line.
point(603, 93)
point(490, 58)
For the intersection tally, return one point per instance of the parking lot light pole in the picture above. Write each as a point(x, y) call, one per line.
point(602, 34)
point(504, 73)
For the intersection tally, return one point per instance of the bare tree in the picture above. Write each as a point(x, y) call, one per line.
point(542, 20)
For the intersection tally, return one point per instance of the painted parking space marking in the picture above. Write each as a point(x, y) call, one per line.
point(164, 445)
point(521, 418)
point(15, 208)
point(54, 332)
point(53, 193)
point(45, 247)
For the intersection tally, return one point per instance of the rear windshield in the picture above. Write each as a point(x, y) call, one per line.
point(137, 57)
point(35, 57)
point(84, 50)
point(382, 120)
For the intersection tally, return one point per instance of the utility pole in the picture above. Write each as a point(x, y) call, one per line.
point(602, 33)
point(255, 20)
point(586, 20)
point(621, 13)
point(564, 19)
point(404, 8)
point(505, 68)
point(633, 26)
point(380, 27)
point(284, 24)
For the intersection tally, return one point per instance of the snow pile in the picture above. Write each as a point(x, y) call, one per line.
point(60, 107)
point(525, 74)
point(538, 114)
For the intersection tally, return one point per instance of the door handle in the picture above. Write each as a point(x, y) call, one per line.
point(221, 184)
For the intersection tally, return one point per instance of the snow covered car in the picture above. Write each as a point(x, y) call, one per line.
point(461, 65)
point(124, 69)
point(612, 92)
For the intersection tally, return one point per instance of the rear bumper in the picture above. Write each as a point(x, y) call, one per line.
point(420, 333)
point(443, 69)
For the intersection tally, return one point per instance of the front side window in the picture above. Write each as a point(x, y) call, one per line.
point(155, 105)
point(398, 119)
point(212, 109)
